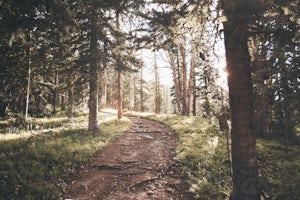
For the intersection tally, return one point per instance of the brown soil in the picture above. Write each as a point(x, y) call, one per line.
point(139, 165)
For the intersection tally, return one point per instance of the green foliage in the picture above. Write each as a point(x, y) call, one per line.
point(39, 167)
point(279, 171)
point(201, 151)
point(207, 167)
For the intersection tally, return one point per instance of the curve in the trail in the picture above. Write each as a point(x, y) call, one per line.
point(139, 165)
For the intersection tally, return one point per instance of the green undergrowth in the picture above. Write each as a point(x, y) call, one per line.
point(279, 170)
point(201, 152)
point(207, 167)
point(38, 167)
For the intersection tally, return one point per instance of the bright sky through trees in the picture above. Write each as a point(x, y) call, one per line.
point(165, 73)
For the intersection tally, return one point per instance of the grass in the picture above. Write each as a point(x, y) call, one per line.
point(279, 170)
point(207, 168)
point(38, 166)
point(204, 164)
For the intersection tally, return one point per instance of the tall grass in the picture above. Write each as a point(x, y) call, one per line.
point(38, 167)
point(201, 152)
point(207, 167)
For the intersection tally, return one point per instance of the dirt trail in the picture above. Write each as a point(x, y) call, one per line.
point(139, 165)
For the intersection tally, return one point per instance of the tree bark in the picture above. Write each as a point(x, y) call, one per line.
point(55, 93)
point(194, 98)
point(157, 87)
point(103, 98)
point(62, 102)
point(29, 74)
point(70, 104)
point(93, 99)
point(191, 84)
point(120, 96)
point(142, 91)
point(260, 105)
point(132, 86)
point(244, 159)
point(119, 77)
point(184, 81)
point(176, 83)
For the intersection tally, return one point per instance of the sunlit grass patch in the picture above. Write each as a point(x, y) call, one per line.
point(38, 166)
point(202, 154)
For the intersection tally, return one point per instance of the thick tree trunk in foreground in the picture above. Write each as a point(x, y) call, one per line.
point(93, 101)
point(244, 160)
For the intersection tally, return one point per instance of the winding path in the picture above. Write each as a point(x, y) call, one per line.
point(139, 165)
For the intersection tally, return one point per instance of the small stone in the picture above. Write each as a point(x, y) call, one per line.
point(170, 190)
point(150, 192)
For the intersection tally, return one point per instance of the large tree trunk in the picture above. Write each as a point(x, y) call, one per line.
point(93, 101)
point(244, 159)
point(260, 105)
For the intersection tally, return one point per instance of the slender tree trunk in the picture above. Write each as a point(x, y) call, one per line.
point(103, 99)
point(194, 98)
point(120, 96)
point(157, 87)
point(70, 104)
point(132, 92)
point(132, 86)
point(244, 160)
point(223, 124)
point(93, 100)
point(62, 102)
point(288, 124)
point(191, 85)
point(142, 91)
point(119, 81)
point(176, 83)
point(55, 93)
point(179, 80)
point(184, 81)
point(29, 74)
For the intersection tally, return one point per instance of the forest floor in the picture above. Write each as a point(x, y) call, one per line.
point(138, 165)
